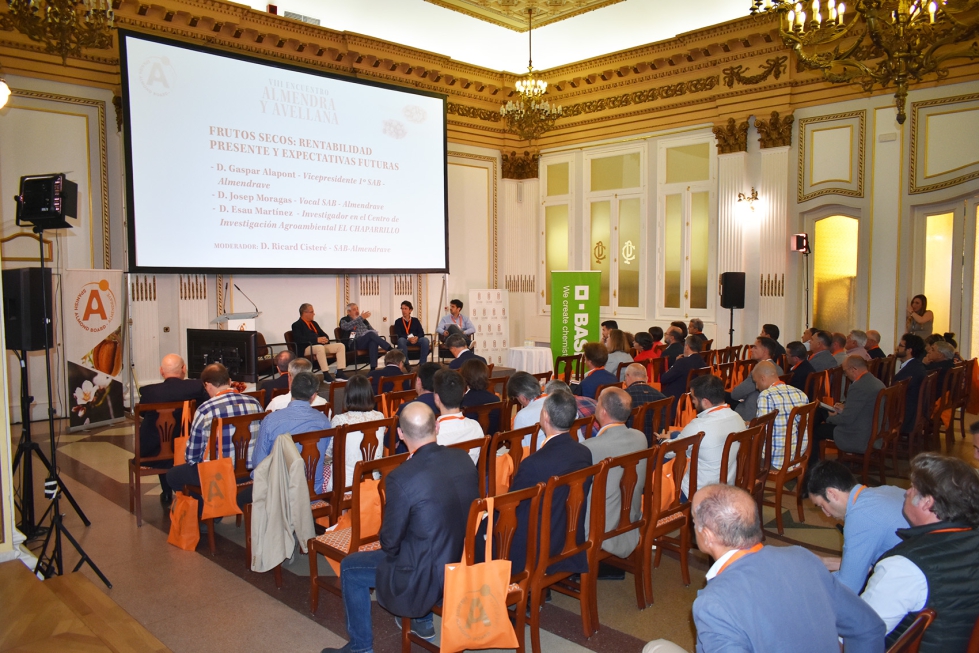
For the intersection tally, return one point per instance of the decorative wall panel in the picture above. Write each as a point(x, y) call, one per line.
point(944, 133)
point(831, 155)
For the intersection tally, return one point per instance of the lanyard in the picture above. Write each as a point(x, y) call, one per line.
point(407, 324)
point(595, 370)
point(460, 322)
point(950, 530)
point(446, 418)
point(740, 554)
point(310, 325)
point(857, 494)
point(602, 430)
point(224, 392)
point(716, 408)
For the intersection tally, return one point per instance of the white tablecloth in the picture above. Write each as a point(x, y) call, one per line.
point(531, 359)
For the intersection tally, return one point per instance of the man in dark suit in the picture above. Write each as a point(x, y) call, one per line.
point(939, 357)
point(175, 387)
point(820, 356)
point(394, 365)
point(674, 380)
point(456, 344)
point(641, 393)
point(281, 382)
point(772, 331)
point(312, 341)
point(595, 356)
point(851, 425)
point(362, 334)
point(558, 455)
point(799, 365)
point(423, 529)
point(674, 345)
point(424, 388)
point(910, 351)
point(873, 344)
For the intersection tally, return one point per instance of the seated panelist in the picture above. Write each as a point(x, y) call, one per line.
point(456, 322)
point(311, 341)
point(410, 332)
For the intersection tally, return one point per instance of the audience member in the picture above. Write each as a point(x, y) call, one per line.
point(940, 358)
point(647, 348)
point(451, 424)
point(525, 390)
point(658, 344)
point(311, 340)
point(558, 455)
point(297, 417)
point(920, 320)
point(607, 326)
point(281, 382)
point(910, 351)
point(807, 336)
point(744, 396)
point(674, 380)
point(641, 393)
point(838, 347)
point(799, 364)
point(476, 375)
point(856, 344)
point(873, 344)
point(224, 401)
point(674, 345)
point(394, 365)
point(850, 425)
point(773, 394)
point(769, 598)
point(937, 564)
point(716, 419)
point(772, 331)
point(586, 406)
point(296, 366)
point(424, 389)
point(616, 439)
point(460, 352)
point(695, 327)
point(821, 358)
point(410, 332)
point(682, 326)
point(426, 509)
point(456, 323)
point(358, 402)
point(595, 356)
point(362, 334)
point(618, 352)
point(871, 517)
point(174, 387)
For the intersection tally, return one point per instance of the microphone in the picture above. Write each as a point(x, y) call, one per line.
point(247, 297)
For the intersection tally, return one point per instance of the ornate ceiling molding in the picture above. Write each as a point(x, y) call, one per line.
point(732, 137)
point(512, 14)
point(520, 166)
point(776, 132)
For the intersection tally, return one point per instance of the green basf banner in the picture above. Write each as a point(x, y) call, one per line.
point(574, 311)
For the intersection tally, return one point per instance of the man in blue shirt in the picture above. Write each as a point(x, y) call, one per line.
point(595, 355)
point(298, 417)
point(871, 517)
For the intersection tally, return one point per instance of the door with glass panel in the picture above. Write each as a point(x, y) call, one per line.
point(555, 232)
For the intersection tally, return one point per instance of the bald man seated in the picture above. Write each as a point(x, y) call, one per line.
point(174, 387)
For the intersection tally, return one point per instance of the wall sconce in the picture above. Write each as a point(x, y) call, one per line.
point(748, 205)
point(4, 92)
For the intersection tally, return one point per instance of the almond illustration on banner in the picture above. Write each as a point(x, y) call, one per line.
point(106, 357)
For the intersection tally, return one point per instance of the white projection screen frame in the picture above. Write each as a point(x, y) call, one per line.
point(240, 165)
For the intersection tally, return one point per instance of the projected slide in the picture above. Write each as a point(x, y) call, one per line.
point(236, 165)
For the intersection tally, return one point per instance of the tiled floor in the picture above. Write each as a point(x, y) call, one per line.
point(194, 602)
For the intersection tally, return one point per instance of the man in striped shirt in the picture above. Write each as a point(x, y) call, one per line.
point(774, 394)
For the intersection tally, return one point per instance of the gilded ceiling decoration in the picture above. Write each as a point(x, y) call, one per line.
point(512, 14)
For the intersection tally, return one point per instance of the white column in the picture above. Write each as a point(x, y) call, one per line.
point(731, 173)
point(191, 307)
point(774, 237)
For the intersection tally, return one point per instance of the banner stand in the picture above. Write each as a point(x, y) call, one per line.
point(575, 310)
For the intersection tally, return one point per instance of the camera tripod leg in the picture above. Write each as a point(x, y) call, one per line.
point(63, 488)
point(84, 558)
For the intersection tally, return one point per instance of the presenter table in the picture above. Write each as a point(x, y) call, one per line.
point(531, 359)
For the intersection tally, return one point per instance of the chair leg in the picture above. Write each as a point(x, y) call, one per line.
point(798, 501)
point(314, 588)
point(589, 603)
point(684, 551)
point(248, 534)
point(277, 574)
point(132, 490)
point(210, 537)
point(536, 596)
point(520, 627)
point(637, 573)
point(779, 488)
point(405, 634)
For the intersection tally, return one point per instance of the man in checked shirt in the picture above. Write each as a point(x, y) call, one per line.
point(774, 394)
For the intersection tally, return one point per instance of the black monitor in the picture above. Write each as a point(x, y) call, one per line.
point(236, 350)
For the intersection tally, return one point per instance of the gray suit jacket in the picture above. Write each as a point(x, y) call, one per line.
point(747, 394)
point(855, 424)
point(618, 441)
point(823, 361)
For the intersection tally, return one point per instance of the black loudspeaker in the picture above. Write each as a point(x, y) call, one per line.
point(23, 315)
point(732, 290)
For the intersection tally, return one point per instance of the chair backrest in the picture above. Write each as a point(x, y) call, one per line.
point(620, 370)
point(816, 386)
point(742, 369)
point(725, 371)
point(926, 399)
point(277, 392)
point(308, 449)
point(483, 445)
point(241, 437)
point(960, 393)
point(635, 474)
point(510, 409)
point(653, 417)
point(542, 377)
point(656, 367)
point(291, 343)
point(394, 400)
point(694, 373)
point(671, 485)
point(484, 415)
point(569, 494)
point(568, 368)
point(785, 378)
point(513, 442)
point(494, 381)
point(836, 385)
point(685, 411)
point(883, 369)
point(599, 389)
point(581, 429)
point(257, 394)
point(337, 384)
point(709, 344)
point(910, 641)
point(368, 471)
point(396, 383)
point(950, 385)
point(782, 361)
point(798, 426)
point(372, 444)
point(167, 427)
point(761, 448)
point(743, 463)
point(505, 524)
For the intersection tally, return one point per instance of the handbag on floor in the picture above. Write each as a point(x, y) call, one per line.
point(474, 614)
point(184, 530)
point(218, 485)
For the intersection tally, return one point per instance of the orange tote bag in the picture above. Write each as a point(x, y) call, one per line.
point(184, 530)
point(218, 485)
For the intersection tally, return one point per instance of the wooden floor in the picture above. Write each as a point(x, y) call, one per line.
point(65, 614)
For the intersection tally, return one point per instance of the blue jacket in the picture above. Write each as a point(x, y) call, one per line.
point(589, 385)
point(674, 380)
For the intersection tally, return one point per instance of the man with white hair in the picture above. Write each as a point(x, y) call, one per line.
point(641, 393)
point(311, 340)
point(940, 357)
point(362, 334)
point(296, 366)
point(856, 344)
point(873, 344)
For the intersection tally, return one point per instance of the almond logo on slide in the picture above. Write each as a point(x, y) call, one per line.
point(157, 75)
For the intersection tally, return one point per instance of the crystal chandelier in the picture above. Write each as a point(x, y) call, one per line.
point(65, 27)
point(885, 42)
point(530, 115)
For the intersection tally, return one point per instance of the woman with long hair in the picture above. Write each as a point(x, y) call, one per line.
point(358, 402)
point(920, 321)
point(618, 352)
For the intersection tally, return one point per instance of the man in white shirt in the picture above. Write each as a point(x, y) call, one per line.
point(525, 390)
point(296, 366)
point(716, 419)
point(452, 426)
point(937, 564)
point(455, 322)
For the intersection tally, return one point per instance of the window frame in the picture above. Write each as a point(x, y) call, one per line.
point(568, 199)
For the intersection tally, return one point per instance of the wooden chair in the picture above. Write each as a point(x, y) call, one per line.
point(710, 357)
point(708, 345)
point(257, 394)
point(910, 641)
point(886, 425)
point(372, 446)
point(795, 460)
point(542, 377)
point(510, 409)
point(325, 408)
point(504, 526)
point(960, 396)
point(694, 373)
point(922, 428)
point(512, 441)
point(599, 389)
point(399, 383)
point(394, 400)
point(684, 410)
point(571, 370)
point(725, 371)
point(336, 544)
point(837, 383)
point(277, 392)
point(497, 381)
point(742, 462)
point(817, 386)
point(485, 414)
point(354, 356)
point(944, 402)
point(241, 437)
point(656, 367)
point(745, 352)
point(338, 384)
point(785, 378)
point(652, 418)
point(620, 370)
point(667, 516)
point(761, 454)
point(636, 474)
point(782, 360)
point(483, 445)
point(581, 429)
point(294, 348)
point(882, 368)
point(742, 370)
point(167, 428)
point(568, 493)
point(413, 350)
